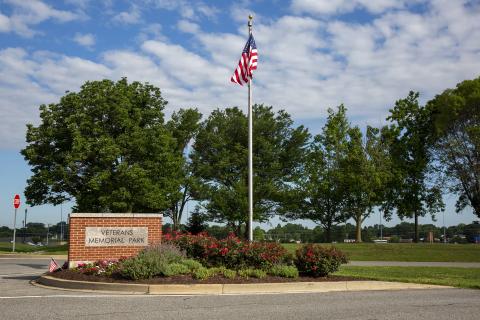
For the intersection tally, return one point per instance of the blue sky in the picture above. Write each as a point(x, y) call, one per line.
point(313, 54)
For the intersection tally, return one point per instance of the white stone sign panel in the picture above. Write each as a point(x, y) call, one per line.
point(116, 236)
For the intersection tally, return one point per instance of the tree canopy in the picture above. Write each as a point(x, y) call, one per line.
point(413, 194)
point(219, 162)
point(456, 117)
point(320, 195)
point(107, 148)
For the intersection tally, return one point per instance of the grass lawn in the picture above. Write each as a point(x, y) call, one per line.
point(406, 251)
point(456, 277)
point(25, 248)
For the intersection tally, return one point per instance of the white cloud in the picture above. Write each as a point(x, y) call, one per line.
point(329, 7)
point(151, 32)
point(132, 16)
point(86, 40)
point(32, 12)
point(187, 26)
point(187, 9)
point(305, 65)
point(4, 23)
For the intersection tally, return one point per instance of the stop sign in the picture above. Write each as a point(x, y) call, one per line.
point(16, 201)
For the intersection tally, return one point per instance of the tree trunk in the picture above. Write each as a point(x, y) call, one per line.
point(416, 229)
point(247, 227)
point(358, 228)
point(328, 231)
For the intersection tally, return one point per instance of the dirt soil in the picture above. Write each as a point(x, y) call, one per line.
point(187, 279)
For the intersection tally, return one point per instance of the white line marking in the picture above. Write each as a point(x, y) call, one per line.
point(20, 274)
point(88, 296)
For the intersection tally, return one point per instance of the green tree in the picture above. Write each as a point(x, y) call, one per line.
point(197, 222)
point(258, 234)
point(456, 115)
point(220, 157)
point(412, 194)
point(365, 171)
point(107, 148)
point(320, 194)
point(183, 126)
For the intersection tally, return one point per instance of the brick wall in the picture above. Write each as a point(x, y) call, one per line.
point(79, 252)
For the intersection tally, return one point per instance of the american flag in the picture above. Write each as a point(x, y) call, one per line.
point(53, 266)
point(247, 63)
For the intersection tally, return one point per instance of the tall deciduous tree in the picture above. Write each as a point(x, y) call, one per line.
point(320, 195)
point(107, 148)
point(412, 195)
point(183, 126)
point(220, 157)
point(456, 115)
point(365, 171)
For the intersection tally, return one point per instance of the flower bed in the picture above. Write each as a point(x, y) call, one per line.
point(200, 258)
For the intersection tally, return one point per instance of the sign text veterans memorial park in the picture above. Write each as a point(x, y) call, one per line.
point(115, 236)
point(103, 236)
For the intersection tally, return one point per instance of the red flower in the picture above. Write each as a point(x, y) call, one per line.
point(223, 251)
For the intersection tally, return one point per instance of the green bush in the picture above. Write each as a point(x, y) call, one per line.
point(284, 271)
point(203, 273)
point(192, 264)
point(318, 261)
point(142, 267)
point(168, 253)
point(254, 273)
point(175, 269)
point(152, 261)
point(229, 274)
point(394, 239)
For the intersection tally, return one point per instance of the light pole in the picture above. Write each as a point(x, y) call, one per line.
point(61, 222)
point(25, 226)
point(444, 233)
point(48, 231)
point(14, 229)
point(380, 226)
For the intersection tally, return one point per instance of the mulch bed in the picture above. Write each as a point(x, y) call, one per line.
point(187, 279)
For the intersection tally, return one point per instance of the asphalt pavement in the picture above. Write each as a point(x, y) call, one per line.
point(20, 300)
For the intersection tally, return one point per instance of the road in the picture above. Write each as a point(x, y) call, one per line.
point(20, 300)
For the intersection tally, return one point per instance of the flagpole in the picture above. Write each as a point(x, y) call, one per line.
point(250, 149)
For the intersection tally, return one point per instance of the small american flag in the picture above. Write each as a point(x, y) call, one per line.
point(53, 266)
point(247, 63)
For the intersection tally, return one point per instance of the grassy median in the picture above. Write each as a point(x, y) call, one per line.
point(455, 277)
point(25, 248)
point(407, 251)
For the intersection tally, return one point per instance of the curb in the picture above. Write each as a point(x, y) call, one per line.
point(220, 289)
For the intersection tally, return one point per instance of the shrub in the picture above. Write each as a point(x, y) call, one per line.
point(100, 267)
point(230, 252)
point(192, 264)
point(168, 253)
point(142, 267)
point(229, 274)
point(152, 261)
point(254, 273)
point(394, 239)
point(284, 271)
point(318, 261)
point(203, 273)
point(175, 269)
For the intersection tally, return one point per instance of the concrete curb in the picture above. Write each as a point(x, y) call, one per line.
point(219, 289)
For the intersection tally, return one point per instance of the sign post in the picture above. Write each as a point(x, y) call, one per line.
point(16, 205)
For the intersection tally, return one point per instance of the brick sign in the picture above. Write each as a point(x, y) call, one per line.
point(103, 236)
point(116, 236)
